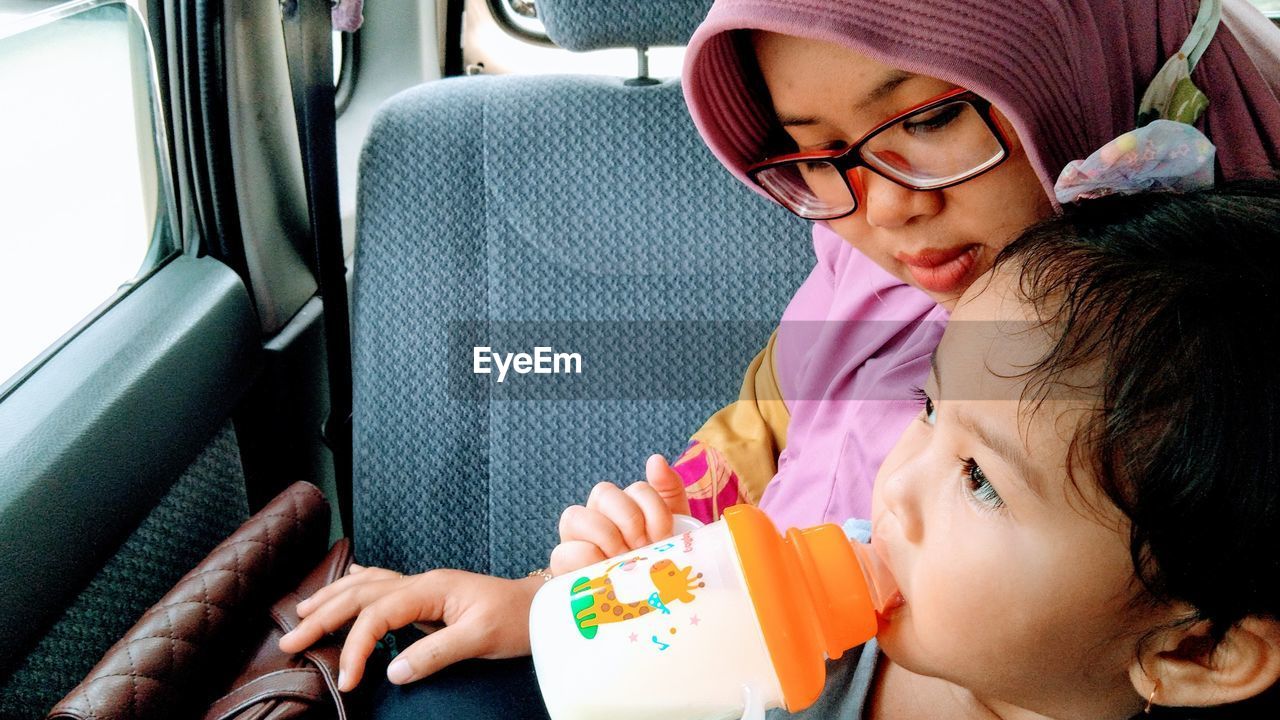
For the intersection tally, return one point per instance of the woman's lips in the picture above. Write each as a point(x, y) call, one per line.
point(941, 271)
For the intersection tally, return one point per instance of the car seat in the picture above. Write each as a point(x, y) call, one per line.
point(577, 212)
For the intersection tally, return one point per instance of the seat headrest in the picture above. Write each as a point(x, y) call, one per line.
point(582, 25)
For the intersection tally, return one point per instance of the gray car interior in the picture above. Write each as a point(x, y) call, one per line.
point(547, 199)
point(485, 205)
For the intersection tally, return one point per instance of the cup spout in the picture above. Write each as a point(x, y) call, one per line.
point(883, 587)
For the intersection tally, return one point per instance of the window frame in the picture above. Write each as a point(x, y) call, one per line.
point(501, 13)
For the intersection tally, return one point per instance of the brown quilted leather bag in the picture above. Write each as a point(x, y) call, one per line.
point(208, 647)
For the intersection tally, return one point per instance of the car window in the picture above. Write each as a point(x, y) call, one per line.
point(84, 202)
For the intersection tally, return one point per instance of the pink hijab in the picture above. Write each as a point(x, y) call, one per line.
point(1068, 73)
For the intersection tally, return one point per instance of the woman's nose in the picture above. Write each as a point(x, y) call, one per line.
point(889, 205)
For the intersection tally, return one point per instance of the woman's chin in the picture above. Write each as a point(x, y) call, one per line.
point(948, 302)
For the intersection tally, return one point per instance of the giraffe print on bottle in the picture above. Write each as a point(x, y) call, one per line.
point(595, 603)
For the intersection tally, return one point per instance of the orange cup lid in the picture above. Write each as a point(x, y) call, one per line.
point(809, 594)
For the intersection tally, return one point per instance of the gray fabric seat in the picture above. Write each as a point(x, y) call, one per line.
point(575, 212)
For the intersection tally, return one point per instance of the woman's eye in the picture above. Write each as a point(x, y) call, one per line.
point(933, 120)
point(816, 167)
point(930, 411)
point(978, 487)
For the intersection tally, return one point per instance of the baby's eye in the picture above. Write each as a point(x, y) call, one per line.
point(930, 412)
point(978, 487)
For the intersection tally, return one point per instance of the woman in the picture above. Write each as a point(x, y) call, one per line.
point(1063, 76)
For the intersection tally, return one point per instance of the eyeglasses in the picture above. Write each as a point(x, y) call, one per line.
point(934, 145)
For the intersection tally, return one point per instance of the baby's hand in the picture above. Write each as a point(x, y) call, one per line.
point(615, 520)
point(485, 617)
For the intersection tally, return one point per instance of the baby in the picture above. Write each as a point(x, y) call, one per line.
point(1084, 519)
point(1084, 522)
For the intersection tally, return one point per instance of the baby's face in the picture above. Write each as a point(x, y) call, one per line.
point(1018, 581)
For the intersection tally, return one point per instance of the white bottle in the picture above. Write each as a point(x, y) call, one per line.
point(722, 621)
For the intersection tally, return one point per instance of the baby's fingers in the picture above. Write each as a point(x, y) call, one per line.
point(574, 555)
point(623, 511)
point(579, 523)
point(657, 517)
point(668, 484)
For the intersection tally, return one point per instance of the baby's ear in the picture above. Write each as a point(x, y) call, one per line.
point(1193, 671)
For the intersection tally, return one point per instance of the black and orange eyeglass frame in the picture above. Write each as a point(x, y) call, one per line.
point(847, 160)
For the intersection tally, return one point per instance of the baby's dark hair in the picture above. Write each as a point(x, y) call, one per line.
point(1175, 300)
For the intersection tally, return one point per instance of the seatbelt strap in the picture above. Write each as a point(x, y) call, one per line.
point(308, 45)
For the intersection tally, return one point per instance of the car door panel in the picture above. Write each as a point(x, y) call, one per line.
point(96, 436)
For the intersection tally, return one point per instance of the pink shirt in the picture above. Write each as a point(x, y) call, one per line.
point(852, 345)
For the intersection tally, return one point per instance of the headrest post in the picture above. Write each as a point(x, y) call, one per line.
point(642, 68)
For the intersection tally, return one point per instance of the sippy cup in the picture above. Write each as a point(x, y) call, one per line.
point(720, 621)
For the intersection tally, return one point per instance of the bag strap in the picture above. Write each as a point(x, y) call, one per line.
point(313, 683)
point(308, 46)
point(303, 685)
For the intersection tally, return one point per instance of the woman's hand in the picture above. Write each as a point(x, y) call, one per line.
point(616, 520)
point(483, 616)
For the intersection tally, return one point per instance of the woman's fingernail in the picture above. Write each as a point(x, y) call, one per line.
point(399, 672)
point(342, 681)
